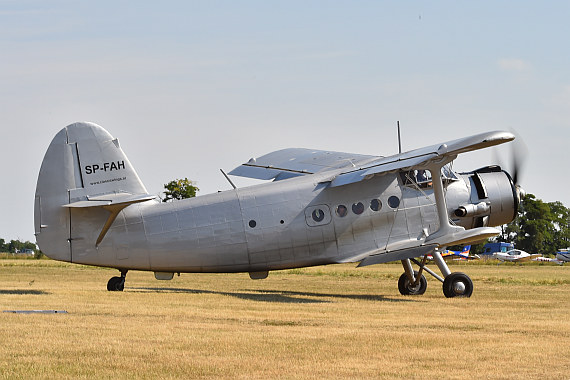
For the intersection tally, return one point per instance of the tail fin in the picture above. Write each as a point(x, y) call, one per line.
point(82, 163)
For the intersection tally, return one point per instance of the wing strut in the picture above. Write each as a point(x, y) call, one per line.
point(449, 234)
point(115, 210)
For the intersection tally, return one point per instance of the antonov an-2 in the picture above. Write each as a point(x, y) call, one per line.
point(321, 208)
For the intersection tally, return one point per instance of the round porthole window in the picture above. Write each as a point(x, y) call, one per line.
point(358, 208)
point(341, 211)
point(375, 205)
point(252, 223)
point(318, 215)
point(394, 201)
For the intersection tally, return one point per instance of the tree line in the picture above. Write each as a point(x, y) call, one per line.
point(15, 246)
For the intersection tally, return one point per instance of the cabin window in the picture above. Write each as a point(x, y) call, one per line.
point(252, 223)
point(375, 205)
point(341, 211)
point(318, 215)
point(358, 208)
point(394, 201)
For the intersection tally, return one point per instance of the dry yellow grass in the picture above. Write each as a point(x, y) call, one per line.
point(323, 322)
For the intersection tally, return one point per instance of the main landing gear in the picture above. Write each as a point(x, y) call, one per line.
point(413, 282)
point(117, 284)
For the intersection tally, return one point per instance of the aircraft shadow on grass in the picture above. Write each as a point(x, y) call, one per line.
point(281, 296)
point(23, 292)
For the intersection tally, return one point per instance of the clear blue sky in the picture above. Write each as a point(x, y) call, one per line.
point(193, 86)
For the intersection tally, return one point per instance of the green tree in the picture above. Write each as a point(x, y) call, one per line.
point(539, 227)
point(179, 189)
point(561, 219)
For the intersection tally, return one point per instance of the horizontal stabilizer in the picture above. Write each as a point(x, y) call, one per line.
point(114, 203)
point(123, 199)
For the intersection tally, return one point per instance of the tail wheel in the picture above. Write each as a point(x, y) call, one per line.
point(116, 284)
point(457, 284)
point(405, 288)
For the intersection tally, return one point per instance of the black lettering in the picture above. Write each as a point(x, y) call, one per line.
point(105, 166)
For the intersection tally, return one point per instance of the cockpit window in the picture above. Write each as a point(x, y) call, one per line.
point(417, 178)
point(448, 173)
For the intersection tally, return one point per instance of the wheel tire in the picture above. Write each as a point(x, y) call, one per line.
point(406, 290)
point(457, 284)
point(116, 284)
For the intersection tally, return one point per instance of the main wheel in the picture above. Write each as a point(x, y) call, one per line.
point(116, 284)
point(457, 284)
point(405, 288)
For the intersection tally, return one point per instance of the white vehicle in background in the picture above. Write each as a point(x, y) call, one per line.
point(515, 255)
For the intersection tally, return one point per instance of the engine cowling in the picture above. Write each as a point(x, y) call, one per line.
point(494, 198)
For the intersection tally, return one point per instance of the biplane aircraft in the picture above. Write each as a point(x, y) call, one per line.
point(321, 207)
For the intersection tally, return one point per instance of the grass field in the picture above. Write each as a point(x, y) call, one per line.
point(324, 322)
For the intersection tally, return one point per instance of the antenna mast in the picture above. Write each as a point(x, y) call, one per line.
point(399, 139)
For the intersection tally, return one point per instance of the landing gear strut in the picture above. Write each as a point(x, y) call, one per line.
point(117, 284)
point(412, 282)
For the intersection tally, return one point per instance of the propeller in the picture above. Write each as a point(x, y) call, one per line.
point(519, 152)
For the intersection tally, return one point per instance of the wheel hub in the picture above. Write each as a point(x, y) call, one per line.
point(459, 287)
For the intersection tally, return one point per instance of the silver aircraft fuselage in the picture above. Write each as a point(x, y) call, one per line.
point(265, 227)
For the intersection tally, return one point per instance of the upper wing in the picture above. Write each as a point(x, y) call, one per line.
point(293, 162)
point(423, 156)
